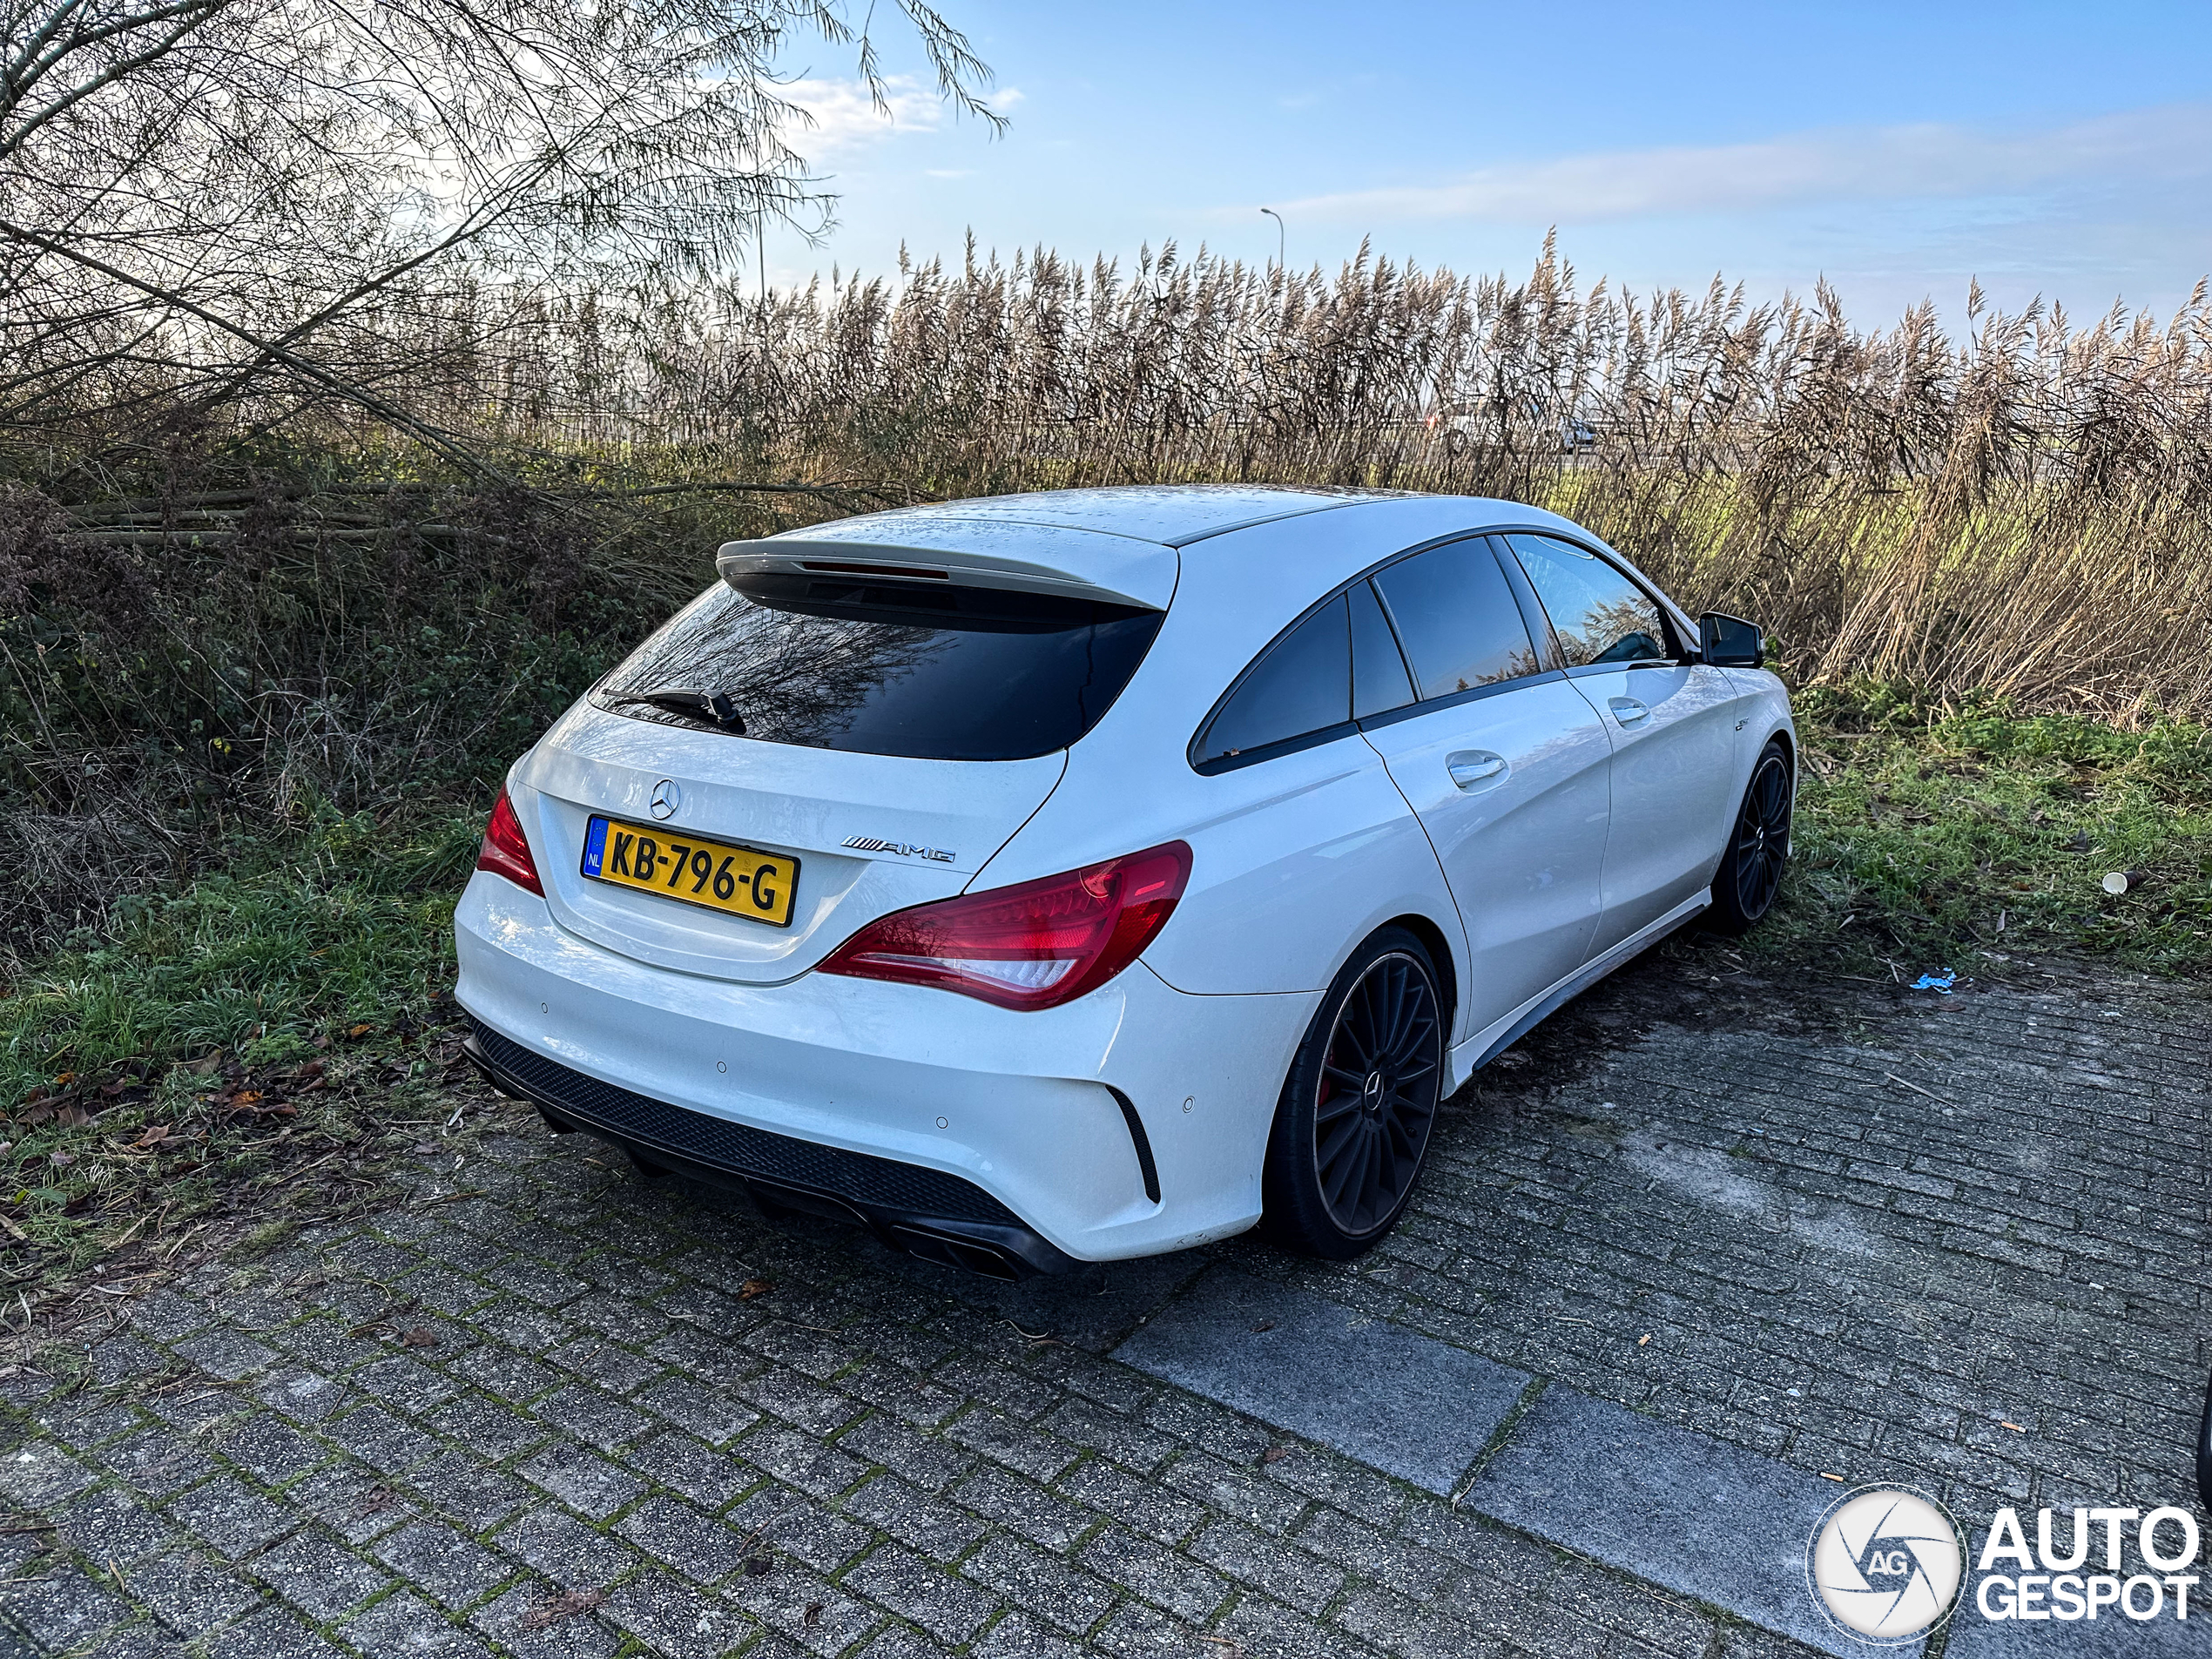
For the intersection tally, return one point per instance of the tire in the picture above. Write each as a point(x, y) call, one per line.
point(1750, 872)
point(1342, 1165)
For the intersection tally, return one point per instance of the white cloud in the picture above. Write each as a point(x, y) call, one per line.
point(846, 117)
point(1901, 163)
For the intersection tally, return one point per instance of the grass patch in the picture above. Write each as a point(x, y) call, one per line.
point(343, 922)
point(251, 1048)
point(1948, 837)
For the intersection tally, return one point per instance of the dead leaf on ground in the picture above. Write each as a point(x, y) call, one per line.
point(357, 1032)
point(813, 1616)
point(569, 1604)
point(421, 1336)
point(1264, 1324)
point(204, 1064)
point(758, 1566)
point(753, 1287)
point(1274, 1454)
point(62, 1160)
point(153, 1135)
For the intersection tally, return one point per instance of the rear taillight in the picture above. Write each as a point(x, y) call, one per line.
point(504, 852)
point(1034, 946)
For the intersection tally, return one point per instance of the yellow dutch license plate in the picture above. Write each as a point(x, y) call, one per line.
point(739, 880)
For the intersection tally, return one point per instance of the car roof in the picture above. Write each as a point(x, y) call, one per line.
point(1172, 514)
point(1123, 544)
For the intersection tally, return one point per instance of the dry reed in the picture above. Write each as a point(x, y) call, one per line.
point(2027, 510)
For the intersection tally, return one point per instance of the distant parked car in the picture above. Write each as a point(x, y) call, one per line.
point(1075, 876)
point(1464, 427)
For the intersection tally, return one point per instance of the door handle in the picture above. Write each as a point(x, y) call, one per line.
point(1627, 710)
point(1471, 768)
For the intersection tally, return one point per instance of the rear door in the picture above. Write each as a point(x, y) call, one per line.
point(1499, 756)
point(1671, 724)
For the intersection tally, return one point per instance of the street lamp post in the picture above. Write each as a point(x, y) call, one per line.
point(1280, 241)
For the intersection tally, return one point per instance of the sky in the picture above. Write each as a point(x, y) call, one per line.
point(1896, 150)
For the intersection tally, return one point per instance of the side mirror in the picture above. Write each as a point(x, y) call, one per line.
point(1730, 642)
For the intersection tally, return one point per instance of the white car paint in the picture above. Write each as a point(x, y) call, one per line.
point(1522, 846)
point(1663, 842)
point(1593, 839)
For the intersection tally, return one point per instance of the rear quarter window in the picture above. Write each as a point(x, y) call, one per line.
point(940, 672)
point(1300, 687)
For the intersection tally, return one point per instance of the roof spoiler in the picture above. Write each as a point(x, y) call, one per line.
point(1145, 581)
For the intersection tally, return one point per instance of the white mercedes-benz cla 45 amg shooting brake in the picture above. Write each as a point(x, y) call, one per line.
point(1074, 876)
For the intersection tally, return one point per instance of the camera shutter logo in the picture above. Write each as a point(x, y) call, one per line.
point(666, 799)
point(1885, 1564)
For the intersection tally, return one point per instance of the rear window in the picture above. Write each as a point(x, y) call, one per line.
point(939, 672)
point(1458, 619)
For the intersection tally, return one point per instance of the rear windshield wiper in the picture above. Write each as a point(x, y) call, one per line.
point(711, 708)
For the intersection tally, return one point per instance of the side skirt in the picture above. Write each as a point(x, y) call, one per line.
point(1485, 1046)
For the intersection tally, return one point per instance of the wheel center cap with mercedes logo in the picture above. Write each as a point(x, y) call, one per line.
point(666, 799)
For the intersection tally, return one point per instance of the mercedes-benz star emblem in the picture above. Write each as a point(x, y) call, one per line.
point(666, 799)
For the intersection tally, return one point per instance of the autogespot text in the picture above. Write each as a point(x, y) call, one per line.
point(2050, 1582)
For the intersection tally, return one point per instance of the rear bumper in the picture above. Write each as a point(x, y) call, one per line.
point(1045, 1117)
point(925, 1212)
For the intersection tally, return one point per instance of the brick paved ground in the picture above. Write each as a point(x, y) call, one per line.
point(1864, 1237)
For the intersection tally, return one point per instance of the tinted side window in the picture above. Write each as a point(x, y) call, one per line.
point(1599, 614)
point(1302, 684)
point(1378, 682)
point(1457, 618)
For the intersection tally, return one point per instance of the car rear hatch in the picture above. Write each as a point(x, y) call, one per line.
point(884, 723)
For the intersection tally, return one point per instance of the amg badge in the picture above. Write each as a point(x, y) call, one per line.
point(904, 849)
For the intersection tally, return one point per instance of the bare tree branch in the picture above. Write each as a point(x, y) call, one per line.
point(227, 189)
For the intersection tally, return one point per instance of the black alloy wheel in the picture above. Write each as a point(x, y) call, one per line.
point(1750, 872)
point(1353, 1126)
